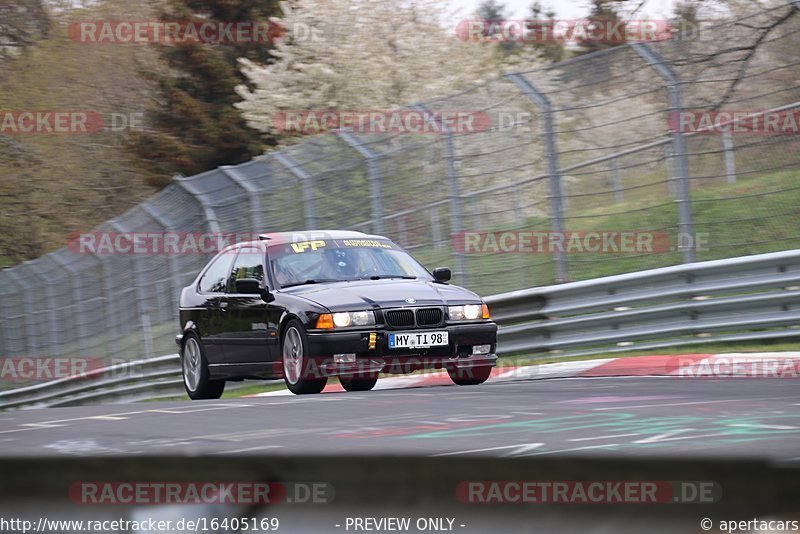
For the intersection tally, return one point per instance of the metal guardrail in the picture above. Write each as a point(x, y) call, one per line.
point(746, 298)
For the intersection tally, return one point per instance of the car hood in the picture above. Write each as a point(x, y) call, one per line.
point(367, 294)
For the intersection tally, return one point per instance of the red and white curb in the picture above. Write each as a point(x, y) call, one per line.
point(729, 365)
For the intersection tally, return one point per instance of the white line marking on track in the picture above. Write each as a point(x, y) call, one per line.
point(248, 449)
point(589, 447)
point(666, 436)
point(615, 436)
point(204, 408)
point(662, 405)
point(759, 425)
point(518, 449)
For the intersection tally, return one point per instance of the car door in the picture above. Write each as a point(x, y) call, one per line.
point(211, 320)
point(251, 335)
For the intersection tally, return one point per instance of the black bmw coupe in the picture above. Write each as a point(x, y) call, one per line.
point(308, 306)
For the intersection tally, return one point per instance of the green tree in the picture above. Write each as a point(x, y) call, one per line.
point(195, 126)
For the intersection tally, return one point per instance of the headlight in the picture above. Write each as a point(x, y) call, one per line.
point(342, 319)
point(468, 312)
point(345, 319)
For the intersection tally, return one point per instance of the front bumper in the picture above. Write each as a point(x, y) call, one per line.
point(456, 355)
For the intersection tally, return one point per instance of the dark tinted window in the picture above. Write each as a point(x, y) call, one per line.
point(216, 277)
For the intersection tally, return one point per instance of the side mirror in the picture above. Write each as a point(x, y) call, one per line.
point(442, 274)
point(251, 286)
point(248, 286)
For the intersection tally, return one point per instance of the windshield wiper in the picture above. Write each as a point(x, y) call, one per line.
point(311, 281)
point(385, 276)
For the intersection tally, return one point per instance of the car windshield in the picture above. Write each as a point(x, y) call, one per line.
point(334, 260)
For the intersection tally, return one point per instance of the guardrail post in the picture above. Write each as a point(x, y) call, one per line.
point(308, 187)
point(730, 159)
point(684, 200)
point(454, 189)
point(253, 194)
point(374, 175)
point(556, 188)
point(141, 296)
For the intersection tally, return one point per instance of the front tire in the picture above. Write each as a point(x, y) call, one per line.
point(351, 383)
point(297, 366)
point(470, 376)
point(194, 368)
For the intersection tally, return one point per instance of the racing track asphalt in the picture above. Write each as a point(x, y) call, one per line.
point(616, 417)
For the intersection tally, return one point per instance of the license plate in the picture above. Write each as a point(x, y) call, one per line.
point(417, 340)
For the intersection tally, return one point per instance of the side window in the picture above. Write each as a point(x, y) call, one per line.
point(215, 278)
point(249, 264)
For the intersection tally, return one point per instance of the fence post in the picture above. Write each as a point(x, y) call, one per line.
point(454, 189)
point(556, 187)
point(172, 259)
point(374, 175)
point(141, 297)
point(111, 331)
point(208, 210)
point(51, 310)
point(253, 194)
point(30, 328)
point(684, 200)
point(730, 160)
point(77, 295)
point(308, 189)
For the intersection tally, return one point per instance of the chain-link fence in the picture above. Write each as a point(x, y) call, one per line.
point(577, 149)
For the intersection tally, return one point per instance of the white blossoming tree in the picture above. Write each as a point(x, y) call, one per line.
point(365, 54)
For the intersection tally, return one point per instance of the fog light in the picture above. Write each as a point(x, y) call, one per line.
point(481, 349)
point(344, 358)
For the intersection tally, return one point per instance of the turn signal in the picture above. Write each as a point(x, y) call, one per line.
point(325, 320)
point(485, 311)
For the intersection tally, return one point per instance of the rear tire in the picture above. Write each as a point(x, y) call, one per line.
point(470, 376)
point(194, 368)
point(351, 383)
point(298, 368)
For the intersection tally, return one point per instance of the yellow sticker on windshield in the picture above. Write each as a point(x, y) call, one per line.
point(307, 245)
